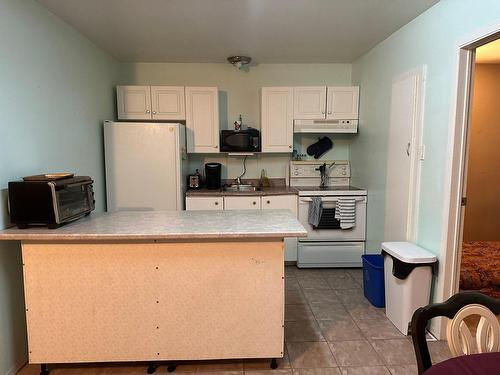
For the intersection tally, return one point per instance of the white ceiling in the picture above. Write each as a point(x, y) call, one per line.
point(270, 31)
point(489, 53)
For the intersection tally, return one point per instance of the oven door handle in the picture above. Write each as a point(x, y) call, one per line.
point(329, 199)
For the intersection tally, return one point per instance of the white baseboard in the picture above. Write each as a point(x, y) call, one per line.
point(16, 368)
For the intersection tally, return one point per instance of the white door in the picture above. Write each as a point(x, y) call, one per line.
point(241, 203)
point(202, 119)
point(403, 164)
point(277, 119)
point(204, 203)
point(168, 103)
point(142, 166)
point(342, 103)
point(284, 202)
point(309, 102)
point(133, 102)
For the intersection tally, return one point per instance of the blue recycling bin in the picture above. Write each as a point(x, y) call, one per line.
point(373, 279)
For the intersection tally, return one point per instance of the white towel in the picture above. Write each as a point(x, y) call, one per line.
point(345, 211)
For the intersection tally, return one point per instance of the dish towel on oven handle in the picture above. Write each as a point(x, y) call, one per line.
point(315, 211)
point(345, 212)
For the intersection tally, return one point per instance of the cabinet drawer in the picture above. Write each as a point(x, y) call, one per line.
point(330, 254)
point(204, 203)
point(242, 203)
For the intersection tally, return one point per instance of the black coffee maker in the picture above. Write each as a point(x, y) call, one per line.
point(213, 175)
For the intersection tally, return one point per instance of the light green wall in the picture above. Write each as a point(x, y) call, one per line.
point(239, 94)
point(428, 40)
point(55, 90)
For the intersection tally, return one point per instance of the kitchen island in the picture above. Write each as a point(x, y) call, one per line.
point(156, 286)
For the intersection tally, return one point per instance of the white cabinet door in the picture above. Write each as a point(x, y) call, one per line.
point(277, 119)
point(168, 103)
point(309, 102)
point(241, 203)
point(133, 102)
point(280, 202)
point(343, 103)
point(202, 119)
point(284, 202)
point(204, 203)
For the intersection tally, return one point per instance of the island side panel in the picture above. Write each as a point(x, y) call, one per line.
point(107, 302)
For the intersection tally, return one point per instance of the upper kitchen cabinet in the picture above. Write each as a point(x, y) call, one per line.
point(322, 103)
point(133, 102)
point(342, 103)
point(150, 103)
point(277, 119)
point(309, 102)
point(202, 119)
point(168, 103)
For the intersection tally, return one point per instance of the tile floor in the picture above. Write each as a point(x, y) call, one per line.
point(330, 329)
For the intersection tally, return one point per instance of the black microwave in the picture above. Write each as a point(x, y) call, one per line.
point(240, 140)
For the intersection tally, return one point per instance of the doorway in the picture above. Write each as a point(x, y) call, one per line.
point(460, 144)
point(479, 249)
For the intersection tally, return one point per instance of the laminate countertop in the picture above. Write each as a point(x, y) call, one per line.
point(168, 225)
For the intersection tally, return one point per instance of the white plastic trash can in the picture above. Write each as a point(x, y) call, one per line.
point(408, 275)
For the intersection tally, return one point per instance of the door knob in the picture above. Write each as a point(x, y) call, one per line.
point(254, 203)
point(268, 202)
point(147, 111)
point(154, 112)
point(408, 149)
point(216, 203)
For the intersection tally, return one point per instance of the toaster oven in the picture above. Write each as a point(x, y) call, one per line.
point(50, 202)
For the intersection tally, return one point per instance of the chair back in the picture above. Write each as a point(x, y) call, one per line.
point(460, 339)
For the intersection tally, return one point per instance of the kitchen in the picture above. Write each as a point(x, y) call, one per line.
point(146, 155)
point(61, 87)
point(146, 220)
point(291, 118)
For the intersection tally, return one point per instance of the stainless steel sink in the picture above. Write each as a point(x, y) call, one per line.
point(241, 187)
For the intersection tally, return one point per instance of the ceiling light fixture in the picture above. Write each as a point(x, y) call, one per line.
point(239, 61)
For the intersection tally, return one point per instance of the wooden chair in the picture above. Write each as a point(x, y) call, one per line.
point(460, 339)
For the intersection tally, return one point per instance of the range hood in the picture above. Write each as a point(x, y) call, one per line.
point(325, 126)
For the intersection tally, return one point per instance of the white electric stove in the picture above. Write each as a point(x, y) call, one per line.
point(327, 245)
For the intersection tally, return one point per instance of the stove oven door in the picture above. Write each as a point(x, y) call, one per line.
point(329, 228)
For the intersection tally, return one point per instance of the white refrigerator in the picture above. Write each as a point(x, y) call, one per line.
point(146, 166)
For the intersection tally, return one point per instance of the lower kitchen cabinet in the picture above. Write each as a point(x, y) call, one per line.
point(242, 203)
point(280, 202)
point(266, 202)
point(204, 203)
point(284, 202)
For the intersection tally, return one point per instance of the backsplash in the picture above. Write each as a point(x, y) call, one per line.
point(275, 164)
